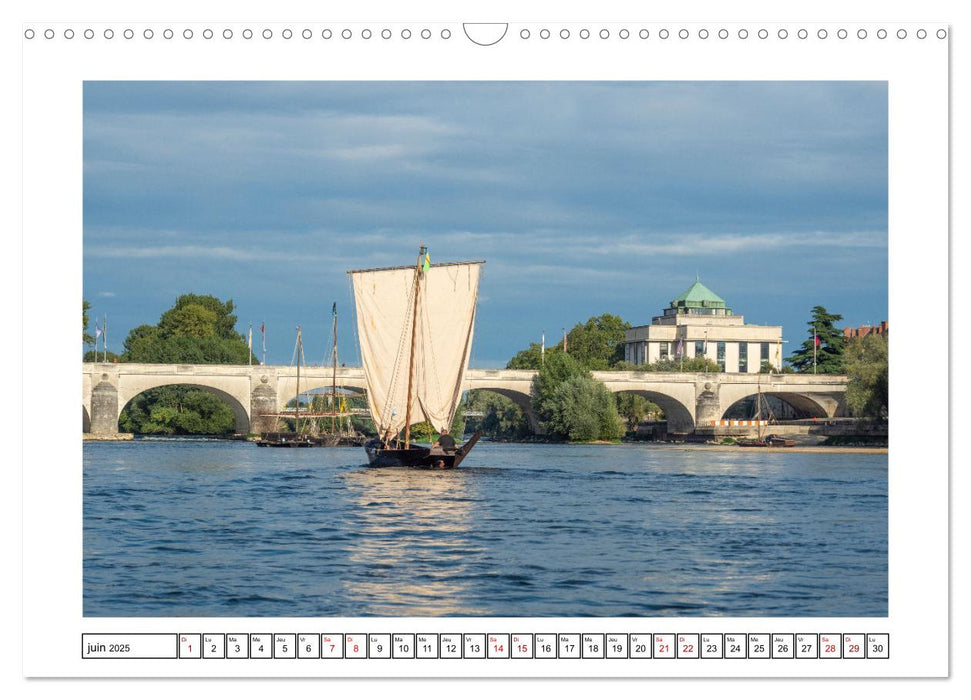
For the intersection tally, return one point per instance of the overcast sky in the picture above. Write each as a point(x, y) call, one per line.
point(583, 198)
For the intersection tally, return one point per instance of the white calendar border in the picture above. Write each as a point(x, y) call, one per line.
point(918, 472)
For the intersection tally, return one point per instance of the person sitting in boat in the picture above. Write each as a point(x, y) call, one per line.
point(446, 442)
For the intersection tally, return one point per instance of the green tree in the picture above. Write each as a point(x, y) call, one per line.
point(99, 356)
point(177, 410)
point(532, 357)
point(632, 408)
point(598, 343)
point(196, 330)
point(828, 351)
point(768, 368)
point(86, 338)
point(866, 362)
point(571, 404)
point(188, 313)
point(582, 409)
point(688, 364)
point(556, 370)
point(190, 320)
point(138, 343)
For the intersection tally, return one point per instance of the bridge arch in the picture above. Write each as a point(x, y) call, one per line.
point(241, 418)
point(800, 405)
point(679, 417)
point(320, 386)
point(523, 400)
point(85, 419)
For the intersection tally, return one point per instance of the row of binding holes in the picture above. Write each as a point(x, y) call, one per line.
point(245, 34)
point(725, 34)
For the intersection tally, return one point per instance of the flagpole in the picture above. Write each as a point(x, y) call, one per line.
point(542, 349)
point(263, 333)
point(815, 343)
point(250, 345)
point(104, 336)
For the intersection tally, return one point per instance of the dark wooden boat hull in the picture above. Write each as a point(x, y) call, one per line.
point(419, 457)
point(769, 441)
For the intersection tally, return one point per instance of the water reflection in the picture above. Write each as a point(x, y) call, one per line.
point(411, 553)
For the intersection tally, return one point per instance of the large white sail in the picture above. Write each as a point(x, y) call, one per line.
point(445, 318)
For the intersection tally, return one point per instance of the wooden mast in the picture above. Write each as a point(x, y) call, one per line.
point(411, 358)
point(333, 388)
point(758, 409)
point(297, 409)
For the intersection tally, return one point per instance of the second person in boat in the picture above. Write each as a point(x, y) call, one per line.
point(446, 442)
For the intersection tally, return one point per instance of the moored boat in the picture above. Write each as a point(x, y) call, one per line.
point(769, 440)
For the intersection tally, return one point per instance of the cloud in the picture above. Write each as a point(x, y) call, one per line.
point(583, 197)
point(195, 252)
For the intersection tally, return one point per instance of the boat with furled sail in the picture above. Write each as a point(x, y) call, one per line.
point(768, 440)
point(415, 329)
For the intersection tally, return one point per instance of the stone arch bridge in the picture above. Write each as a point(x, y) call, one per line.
point(690, 400)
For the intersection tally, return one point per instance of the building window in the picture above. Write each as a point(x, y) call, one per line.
point(699, 348)
point(743, 357)
point(721, 355)
point(765, 354)
point(664, 351)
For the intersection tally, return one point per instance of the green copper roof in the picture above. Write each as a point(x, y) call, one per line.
point(698, 295)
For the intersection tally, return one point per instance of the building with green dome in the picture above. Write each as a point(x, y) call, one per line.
point(699, 323)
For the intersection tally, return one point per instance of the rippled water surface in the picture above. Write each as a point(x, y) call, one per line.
point(176, 528)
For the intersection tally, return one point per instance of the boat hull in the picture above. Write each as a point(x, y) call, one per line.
point(418, 457)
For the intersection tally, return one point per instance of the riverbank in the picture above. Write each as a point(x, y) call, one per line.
point(807, 449)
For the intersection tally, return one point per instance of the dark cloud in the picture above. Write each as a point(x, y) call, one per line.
point(584, 197)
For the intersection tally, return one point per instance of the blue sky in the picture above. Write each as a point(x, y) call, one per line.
point(583, 198)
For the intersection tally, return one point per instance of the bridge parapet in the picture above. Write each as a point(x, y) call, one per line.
point(690, 399)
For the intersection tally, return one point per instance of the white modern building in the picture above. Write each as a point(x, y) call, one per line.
point(698, 323)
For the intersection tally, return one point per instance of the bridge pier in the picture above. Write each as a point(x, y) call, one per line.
point(104, 408)
point(263, 400)
point(708, 406)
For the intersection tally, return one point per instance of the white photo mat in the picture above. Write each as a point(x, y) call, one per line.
point(916, 70)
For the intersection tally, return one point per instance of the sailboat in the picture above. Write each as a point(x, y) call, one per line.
point(296, 438)
point(768, 440)
point(415, 328)
point(310, 434)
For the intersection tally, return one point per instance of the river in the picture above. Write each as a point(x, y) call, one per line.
point(213, 528)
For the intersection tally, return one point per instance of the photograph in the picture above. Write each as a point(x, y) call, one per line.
point(424, 349)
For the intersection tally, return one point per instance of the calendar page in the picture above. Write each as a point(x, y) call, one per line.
point(451, 348)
